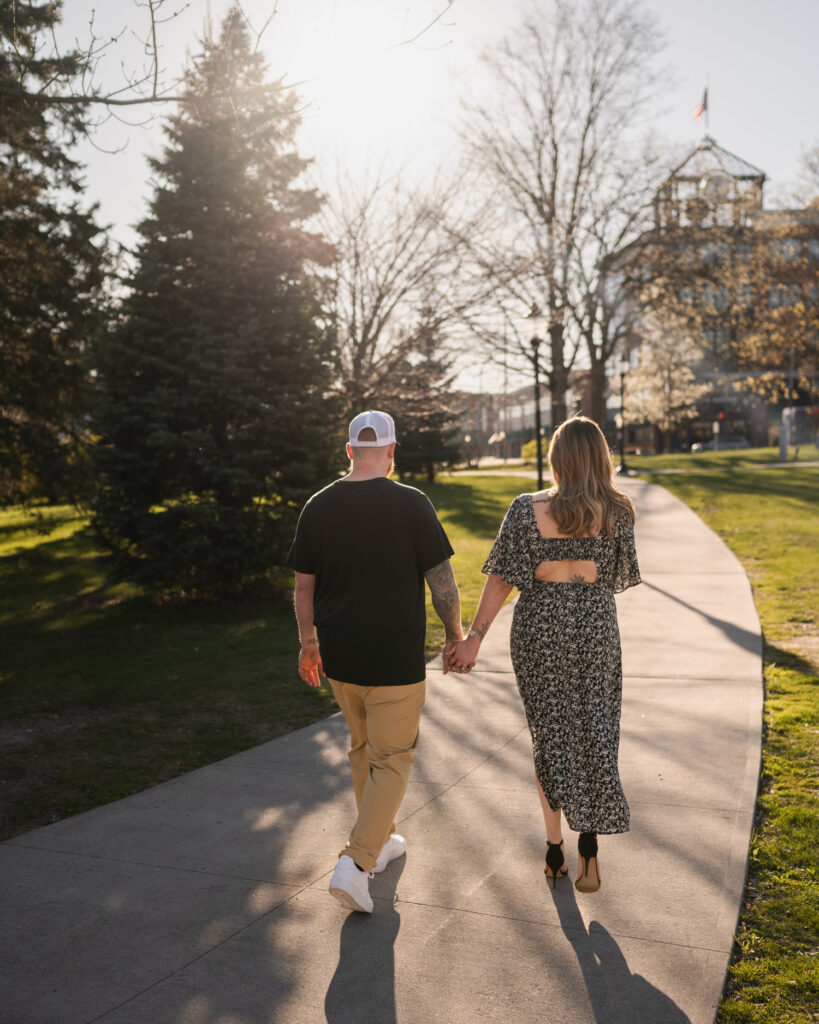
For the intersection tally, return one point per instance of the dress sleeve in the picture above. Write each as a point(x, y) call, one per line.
point(509, 557)
point(626, 569)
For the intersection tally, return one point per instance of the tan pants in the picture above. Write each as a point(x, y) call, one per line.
point(383, 723)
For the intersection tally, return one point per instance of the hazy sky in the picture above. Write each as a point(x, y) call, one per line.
point(366, 97)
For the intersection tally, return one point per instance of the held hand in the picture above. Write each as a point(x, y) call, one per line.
point(446, 657)
point(464, 655)
point(310, 664)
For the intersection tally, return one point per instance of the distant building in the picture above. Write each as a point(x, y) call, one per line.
point(499, 424)
point(728, 266)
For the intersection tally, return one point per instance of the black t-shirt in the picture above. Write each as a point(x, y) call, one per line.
point(369, 543)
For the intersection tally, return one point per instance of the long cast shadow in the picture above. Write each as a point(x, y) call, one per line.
point(362, 988)
point(744, 638)
point(187, 915)
point(616, 995)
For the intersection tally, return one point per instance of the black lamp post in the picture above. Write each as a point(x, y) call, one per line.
point(534, 322)
point(539, 440)
point(623, 368)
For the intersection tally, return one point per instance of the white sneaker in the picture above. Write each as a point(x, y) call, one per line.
point(395, 846)
point(351, 887)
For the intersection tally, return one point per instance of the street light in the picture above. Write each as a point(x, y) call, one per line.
point(622, 368)
point(535, 326)
point(497, 439)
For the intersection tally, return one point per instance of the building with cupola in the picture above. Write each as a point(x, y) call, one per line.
point(740, 281)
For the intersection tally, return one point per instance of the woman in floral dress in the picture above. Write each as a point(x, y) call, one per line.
point(568, 551)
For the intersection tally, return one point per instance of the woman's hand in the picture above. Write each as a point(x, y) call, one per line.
point(463, 655)
point(310, 663)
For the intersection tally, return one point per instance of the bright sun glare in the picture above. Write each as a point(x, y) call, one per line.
point(367, 85)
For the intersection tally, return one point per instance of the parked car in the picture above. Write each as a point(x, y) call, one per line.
point(725, 443)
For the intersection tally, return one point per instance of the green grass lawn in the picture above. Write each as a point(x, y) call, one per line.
point(106, 691)
point(693, 461)
point(499, 468)
point(771, 522)
point(471, 510)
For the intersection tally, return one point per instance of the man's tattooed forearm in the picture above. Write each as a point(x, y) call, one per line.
point(447, 605)
point(446, 600)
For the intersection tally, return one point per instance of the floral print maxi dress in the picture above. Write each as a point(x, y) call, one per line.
point(565, 647)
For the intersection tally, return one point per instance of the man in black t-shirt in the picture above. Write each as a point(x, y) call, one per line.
point(364, 546)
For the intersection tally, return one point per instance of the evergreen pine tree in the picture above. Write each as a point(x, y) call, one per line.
point(424, 412)
point(50, 270)
point(213, 417)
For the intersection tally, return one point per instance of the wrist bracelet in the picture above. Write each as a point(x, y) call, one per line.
point(472, 633)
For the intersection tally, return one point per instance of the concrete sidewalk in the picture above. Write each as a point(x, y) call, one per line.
point(203, 900)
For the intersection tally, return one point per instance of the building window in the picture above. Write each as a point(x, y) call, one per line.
point(714, 252)
point(718, 341)
point(716, 297)
point(786, 250)
point(783, 295)
point(724, 214)
point(813, 248)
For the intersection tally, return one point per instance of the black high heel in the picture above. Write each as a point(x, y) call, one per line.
point(555, 861)
point(589, 880)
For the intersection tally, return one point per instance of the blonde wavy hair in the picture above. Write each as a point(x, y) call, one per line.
point(584, 500)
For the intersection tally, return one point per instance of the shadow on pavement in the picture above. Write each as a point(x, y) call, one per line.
point(363, 985)
point(744, 638)
point(616, 995)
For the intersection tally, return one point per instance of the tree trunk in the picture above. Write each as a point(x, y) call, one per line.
point(558, 376)
point(598, 388)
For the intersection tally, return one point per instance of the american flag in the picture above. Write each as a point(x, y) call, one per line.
point(700, 110)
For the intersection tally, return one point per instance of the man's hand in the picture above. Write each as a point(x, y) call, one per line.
point(310, 663)
point(446, 657)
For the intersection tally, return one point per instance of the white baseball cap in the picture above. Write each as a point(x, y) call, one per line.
point(381, 422)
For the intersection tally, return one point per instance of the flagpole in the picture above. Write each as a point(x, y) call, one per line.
point(707, 108)
point(703, 109)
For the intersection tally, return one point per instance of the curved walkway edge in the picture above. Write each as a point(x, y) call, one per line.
point(203, 900)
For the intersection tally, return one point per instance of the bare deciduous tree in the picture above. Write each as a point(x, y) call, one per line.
point(399, 278)
point(599, 298)
point(570, 92)
point(74, 84)
point(807, 187)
